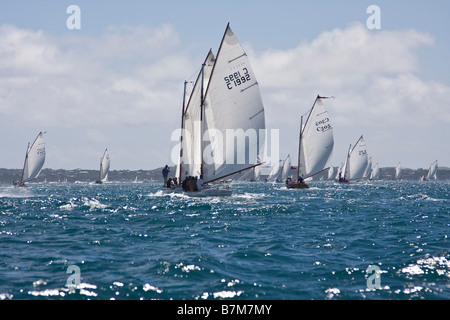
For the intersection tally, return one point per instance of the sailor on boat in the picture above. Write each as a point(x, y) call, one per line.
point(165, 173)
point(200, 183)
point(342, 179)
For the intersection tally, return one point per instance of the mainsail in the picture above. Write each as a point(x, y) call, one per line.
point(34, 160)
point(191, 124)
point(316, 141)
point(356, 161)
point(104, 167)
point(233, 113)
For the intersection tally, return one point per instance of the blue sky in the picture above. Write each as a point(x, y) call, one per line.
point(117, 82)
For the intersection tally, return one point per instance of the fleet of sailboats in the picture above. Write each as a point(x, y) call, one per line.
point(34, 161)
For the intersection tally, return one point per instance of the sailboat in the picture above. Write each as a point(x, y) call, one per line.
point(356, 162)
point(315, 144)
point(256, 174)
point(225, 99)
point(104, 168)
point(375, 173)
point(34, 161)
point(285, 169)
point(331, 173)
point(432, 172)
point(398, 172)
point(368, 169)
point(275, 171)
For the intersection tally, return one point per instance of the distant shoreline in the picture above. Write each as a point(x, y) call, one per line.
point(155, 175)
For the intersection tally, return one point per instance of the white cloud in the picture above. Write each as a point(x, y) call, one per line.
point(372, 74)
point(125, 76)
point(132, 75)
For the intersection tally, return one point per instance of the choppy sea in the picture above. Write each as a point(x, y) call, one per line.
point(367, 240)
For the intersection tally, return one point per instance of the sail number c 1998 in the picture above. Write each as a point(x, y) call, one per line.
point(237, 78)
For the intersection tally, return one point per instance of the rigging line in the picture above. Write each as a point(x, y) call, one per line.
point(242, 55)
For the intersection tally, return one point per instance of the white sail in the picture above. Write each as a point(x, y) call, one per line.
point(432, 171)
point(331, 173)
point(256, 173)
point(104, 166)
point(191, 146)
point(356, 161)
point(274, 173)
point(34, 159)
point(317, 141)
point(234, 114)
point(398, 172)
point(368, 169)
point(340, 171)
point(375, 174)
point(285, 169)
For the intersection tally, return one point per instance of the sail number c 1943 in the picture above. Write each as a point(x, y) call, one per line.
point(237, 78)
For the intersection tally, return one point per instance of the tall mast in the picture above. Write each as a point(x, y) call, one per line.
point(101, 166)
point(182, 132)
point(24, 163)
point(202, 110)
point(299, 149)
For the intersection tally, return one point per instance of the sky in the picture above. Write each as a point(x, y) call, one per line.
point(116, 82)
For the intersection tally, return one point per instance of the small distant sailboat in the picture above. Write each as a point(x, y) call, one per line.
point(315, 144)
point(375, 173)
point(256, 174)
point(275, 171)
point(356, 162)
point(225, 97)
point(34, 161)
point(368, 169)
point(432, 172)
point(330, 173)
point(104, 168)
point(285, 169)
point(398, 172)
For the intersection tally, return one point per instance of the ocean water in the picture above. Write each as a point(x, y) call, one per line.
point(368, 240)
